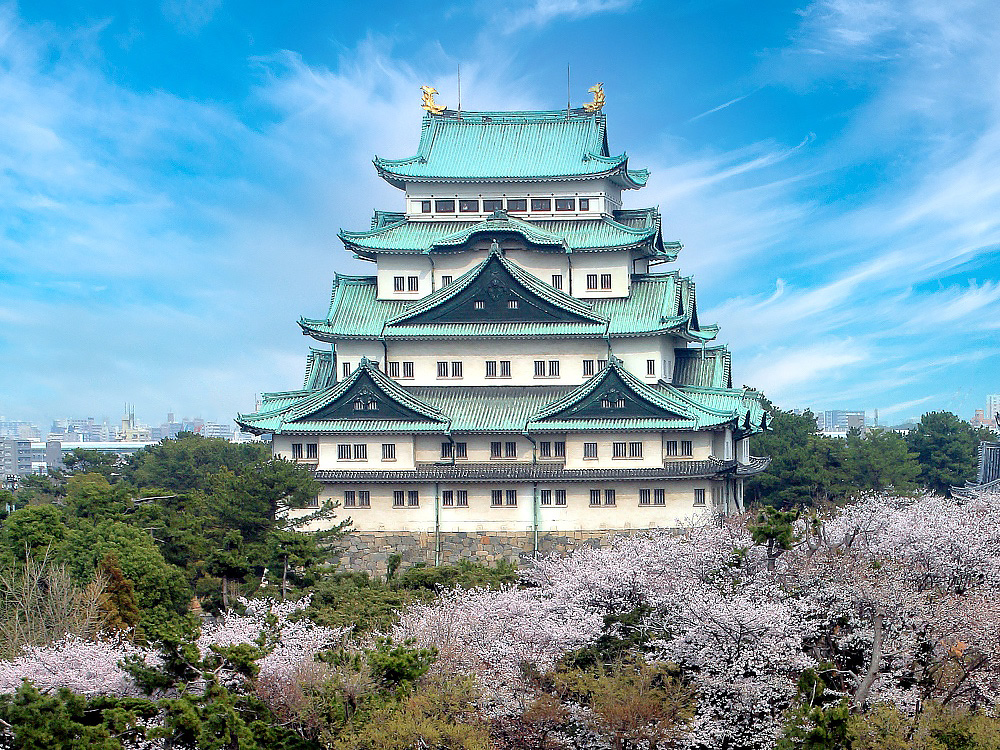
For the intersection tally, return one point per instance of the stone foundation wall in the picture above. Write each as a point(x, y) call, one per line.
point(369, 551)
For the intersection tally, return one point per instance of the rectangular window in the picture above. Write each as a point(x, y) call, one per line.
point(467, 206)
point(512, 497)
point(659, 497)
point(588, 368)
point(312, 450)
point(609, 497)
point(545, 497)
point(539, 368)
point(446, 450)
point(460, 450)
point(496, 449)
point(343, 452)
point(360, 451)
point(510, 449)
point(605, 281)
point(645, 497)
point(492, 204)
point(545, 449)
point(686, 448)
point(595, 497)
point(462, 498)
point(364, 499)
point(388, 451)
point(635, 449)
point(651, 367)
point(412, 283)
point(591, 281)
point(699, 496)
point(442, 369)
point(601, 364)
point(444, 206)
point(491, 368)
point(347, 369)
point(553, 368)
point(445, 280)
point(296, 450)
point(504, 368)
point(560, 497)
point(671, 447)
point(313, 502)
point(541, 204)
point(392, 369)
point(517, 204)
point(513, 304)
point(413, 498)
point(565, 204)
point(399, 283)
point(560, 448)
point(585, 204)
point(350, 500)
point(496, 498)
point(557, 281)
point(479, 304)
point(456, 369)
point(425, 207)
point(407, 369)
point(618, 450)
point(590, 450)
point(447, 498)
point(398, 498)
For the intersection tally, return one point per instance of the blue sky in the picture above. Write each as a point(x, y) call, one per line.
point(173, 175)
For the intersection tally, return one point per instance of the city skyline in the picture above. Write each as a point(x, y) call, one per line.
point(829, 169)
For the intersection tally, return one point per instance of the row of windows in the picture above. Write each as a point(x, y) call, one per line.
point(494, 369)
point(592, 281)
point(499, 449)
point(312, 450)
point(508, 498)
point(634, 449)
point(595, 282)
point(471, 205)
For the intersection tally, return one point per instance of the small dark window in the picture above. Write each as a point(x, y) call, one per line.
point(442, 369)
point(618, 450)
point(565, 204)
point(539, 368)
point(511, 497)
point(517, 204)
point(541, 204)
point(553, 368)
point(595, 497)
point(496, 449)
point(659, 497)
point(360, 451)
point(588, 368)
point(645, 497)
point(545, 497)
point(601, 364)
point(510, 449)
point(479, 305)
point(392, 369)
point(585, 204)
point(699, 496)
point(591, 281)
point(504, 368)
point(460, 450)
point(492, 204)
point(446, 450)
point(407, 369)
point(635, 449)
point(512, 304)
point(686, 448)
point(412, 283)
point(560, 497)
point(350, 499)
point(557, 281)
point(312, 450)
point(296, 450)
point(398, 498)
point(445, 280)
point(468, 206)
point(444, 207)
point(388, 451)
point(447, 497)
point(605, 281)
point(364, 499)
point(671, 448)
point(425, 207)
point(343, 452)
point(496, 497)
point(651, 367)
point(456, 369)
point(560, 448)
point(590, 450)
point(609, 497)
point(545, 449)
point(491, 368)
point(462, 498)
point(413, 498)
point(398, 284)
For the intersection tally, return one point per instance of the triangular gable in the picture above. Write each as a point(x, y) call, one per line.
point(614, 393)
point(497, 291)
point(366, 394)
point(500, 225)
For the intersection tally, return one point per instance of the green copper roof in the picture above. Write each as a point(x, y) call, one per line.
point(321, 371)
point(703, 366)
point(657, 303)
point(511, 146)
point(393, 233)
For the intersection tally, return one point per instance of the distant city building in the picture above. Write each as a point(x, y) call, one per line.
point(840, 420)
point(981, 420)
point(992, 408)
point(15, 428)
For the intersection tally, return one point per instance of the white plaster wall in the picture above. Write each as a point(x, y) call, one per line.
point(351, 352)
point(616, 263)
point(327, 448)
point(428, 449)
point(390, 266)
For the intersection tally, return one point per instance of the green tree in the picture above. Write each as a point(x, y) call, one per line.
point(188, 462)
point(229, 563)
point(32, 531)
point(947, 451)
point(879, 460)
point(118, 605)
point(775, 529)
point(60, 721)
point(83, 461)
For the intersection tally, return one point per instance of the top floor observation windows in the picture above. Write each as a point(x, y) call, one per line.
point(527, 205)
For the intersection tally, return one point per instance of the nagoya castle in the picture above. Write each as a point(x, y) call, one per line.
point(523, 371)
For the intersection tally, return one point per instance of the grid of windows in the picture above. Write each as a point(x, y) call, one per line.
point(455, 498)
point(349, 452)
point(453, 450)
point(652, 497)
point(499, 368)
